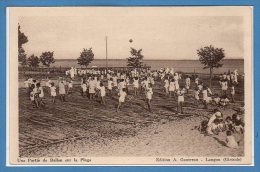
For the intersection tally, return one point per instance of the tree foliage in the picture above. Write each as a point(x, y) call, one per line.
point(136, 59)
point(33, 61)
point(22, 39)
point(47, 58)
point(211, 57)
point(22, 57)
point(86, 57)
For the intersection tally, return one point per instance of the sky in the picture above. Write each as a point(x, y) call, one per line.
point(161, 35)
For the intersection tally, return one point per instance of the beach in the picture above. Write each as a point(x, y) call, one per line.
point(80, 127)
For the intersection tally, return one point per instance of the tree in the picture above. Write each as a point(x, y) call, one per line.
point(22, 57)
point(47, 58)
point(136, 59)
point(210, 57)
point(22, 39)
point(33, 61)
point(86, 57)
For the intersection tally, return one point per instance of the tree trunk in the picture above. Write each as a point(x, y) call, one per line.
point(211, 72)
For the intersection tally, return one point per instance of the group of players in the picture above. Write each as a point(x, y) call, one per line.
point(126, 85)
point(95, 83)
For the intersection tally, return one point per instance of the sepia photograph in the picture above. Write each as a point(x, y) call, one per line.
point(130, 85)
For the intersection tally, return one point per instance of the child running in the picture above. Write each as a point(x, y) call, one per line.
point(176, 80)
point(232, 92)
point(149, 94)
point(102, 93)
point(196, 95)
point(70, 86)
point(114, 82)
point(36, 94)
point(172, 87)
point(92, 91)
point(136, 85)
point(180, 94)
point(53, 92)
point(110, 86)
point(187, 83)
point(166, 86)
point(41, 94)
point(224, 87)
point(62, 91)
point(196, 80)
point(32, 96)
point(84, 88)
point(122, 97)
point(206, 98)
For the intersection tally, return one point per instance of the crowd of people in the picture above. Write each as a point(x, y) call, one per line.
point(96, 84)
point(232, 125)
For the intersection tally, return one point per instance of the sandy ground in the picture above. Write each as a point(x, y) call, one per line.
point(81, 127)
point(161, 139)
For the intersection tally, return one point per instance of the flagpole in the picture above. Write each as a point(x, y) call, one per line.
point(106, 52)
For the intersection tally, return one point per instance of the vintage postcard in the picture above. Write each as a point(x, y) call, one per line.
point(130, 86)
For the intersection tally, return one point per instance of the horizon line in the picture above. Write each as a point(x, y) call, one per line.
point(151, 59)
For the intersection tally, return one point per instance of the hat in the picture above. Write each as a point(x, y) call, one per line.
point(218, 114)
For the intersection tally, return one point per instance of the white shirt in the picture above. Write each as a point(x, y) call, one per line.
point(187, 80)
point(108, 76)
point(197, 80)
point(103, 91)
point(30, 80)
point(41, 94)
point(32, 96)
point(172, 86)
point(149, 93)
point(136, 83)
point(70, 85)
point(197, 94)
point(120, 85)
point(205, 94)
point(35, 90)
point(146, 83)
point(48, 83)
point(109, 85)
point(213, 117)
point(84, 87)
point(176, 77)
point(152, 81)
point(92, 85)
point(180, 94)
point(53, 91)
point(224, 85)
point(233, 90)
point(122, 96)
point(72, 73)
point(115, 81)
point(61, 88)
point(166, 83)
point(98, 85)
point(216, 100)
point(177, 84)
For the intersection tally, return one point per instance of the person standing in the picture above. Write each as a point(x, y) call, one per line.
point(180, 94)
